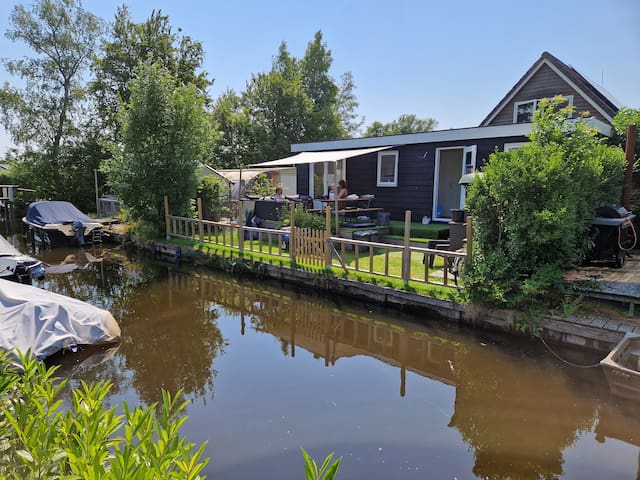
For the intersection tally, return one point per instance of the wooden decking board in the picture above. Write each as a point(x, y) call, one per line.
point(626, 327)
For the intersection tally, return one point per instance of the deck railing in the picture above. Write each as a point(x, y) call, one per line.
point(405, 262)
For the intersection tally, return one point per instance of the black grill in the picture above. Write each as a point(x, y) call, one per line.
point(612, 234)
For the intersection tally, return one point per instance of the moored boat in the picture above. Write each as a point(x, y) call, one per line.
point(43, 322)
point(17, 267)
point(622, 367)
point(59, 223)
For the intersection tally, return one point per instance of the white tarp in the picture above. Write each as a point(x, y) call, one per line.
point(321, 156)
point(45, 322)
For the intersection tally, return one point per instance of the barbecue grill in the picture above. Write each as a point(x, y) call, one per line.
point(612, 234)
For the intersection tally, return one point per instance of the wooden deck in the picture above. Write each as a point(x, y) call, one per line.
point(609, 283)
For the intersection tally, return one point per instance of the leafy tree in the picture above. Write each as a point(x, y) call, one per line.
point(296, 101)
point(406, 123)
point(215, 196)
point(130, 43)
point(261, 186)
point(165, 133)
point(44, 117)
point(533, 206)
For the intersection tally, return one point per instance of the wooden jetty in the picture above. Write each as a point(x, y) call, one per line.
point(607, 282)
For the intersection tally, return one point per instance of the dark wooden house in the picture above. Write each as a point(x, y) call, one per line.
point(420, 171)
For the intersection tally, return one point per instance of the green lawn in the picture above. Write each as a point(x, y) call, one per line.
point(419, 230)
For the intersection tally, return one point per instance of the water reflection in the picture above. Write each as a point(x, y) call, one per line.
point(514, 411)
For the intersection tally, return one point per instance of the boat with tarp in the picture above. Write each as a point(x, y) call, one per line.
point(59, 223)
point(622, 367)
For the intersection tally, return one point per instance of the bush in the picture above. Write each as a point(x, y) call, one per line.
point(215, 197)
point(88, 440)
point(532, 209)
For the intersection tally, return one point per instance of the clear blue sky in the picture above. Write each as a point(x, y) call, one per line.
point(452, 61)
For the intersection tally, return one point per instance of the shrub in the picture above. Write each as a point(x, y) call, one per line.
point(215, 197)
point(532, 209)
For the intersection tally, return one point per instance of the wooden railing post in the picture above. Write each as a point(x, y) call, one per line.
point(241, 229)
point(166, 217)
point(327, 235)
point(292, 234)
point(469, 238)
point(200, 224)
point(406, 251)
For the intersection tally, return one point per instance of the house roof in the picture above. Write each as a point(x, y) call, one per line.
point(595, 95)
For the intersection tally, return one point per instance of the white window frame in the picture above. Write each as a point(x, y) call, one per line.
point(394, 183)
point(339, 164)
point(535, 106)
point(513, 146)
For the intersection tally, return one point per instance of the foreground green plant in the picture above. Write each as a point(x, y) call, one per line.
point(327, 471)
point(88, 440)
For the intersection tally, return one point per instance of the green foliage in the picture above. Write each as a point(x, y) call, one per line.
point(296, 101)
point(406, 123)
point(304, 219)
point(261, 186)
point(44, 116)
point(130, 43)
point(165, 133)
point(625, 117)
point(327, 470)
point(532, 209)
point(215, 197)
point(87, 440)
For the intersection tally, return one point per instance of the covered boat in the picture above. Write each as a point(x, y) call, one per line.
point(46, 322)
point(59, 223)
point(622, 367)
point(17, 267)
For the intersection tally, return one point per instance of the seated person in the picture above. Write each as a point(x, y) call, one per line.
point(343, 191)
point(279, 196)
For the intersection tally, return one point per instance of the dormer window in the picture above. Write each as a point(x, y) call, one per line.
point(523, 111)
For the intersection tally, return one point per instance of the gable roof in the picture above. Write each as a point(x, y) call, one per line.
point(596, 96)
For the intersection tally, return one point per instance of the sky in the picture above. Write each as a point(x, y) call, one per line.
point(445, 59)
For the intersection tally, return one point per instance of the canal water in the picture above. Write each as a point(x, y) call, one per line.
point(267, 369)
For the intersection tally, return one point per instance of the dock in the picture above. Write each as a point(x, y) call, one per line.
point(605, 281)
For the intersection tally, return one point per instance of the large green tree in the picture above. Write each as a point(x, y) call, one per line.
point(165, 132)
point(130, 43)
point(45, 116)
point(406, 123)
point(296, 101)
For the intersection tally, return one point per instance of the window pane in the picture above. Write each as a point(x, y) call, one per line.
point(387, 168)
point(525, 112)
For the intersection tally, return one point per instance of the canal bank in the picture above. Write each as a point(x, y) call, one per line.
point(593, 331)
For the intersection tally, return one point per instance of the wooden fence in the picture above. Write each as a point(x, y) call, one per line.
point(317, 248)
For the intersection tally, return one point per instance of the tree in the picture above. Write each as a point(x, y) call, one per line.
point(130, 43)
point(44, 117)
point(532, 209)
point(406, 123)
point(165, 133)
point(296, 101)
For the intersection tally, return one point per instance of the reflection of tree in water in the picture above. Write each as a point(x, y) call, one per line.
point(517, 421)
point(170, 339)
point(169, 335)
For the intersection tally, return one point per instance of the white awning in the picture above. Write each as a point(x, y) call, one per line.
point(316, 157)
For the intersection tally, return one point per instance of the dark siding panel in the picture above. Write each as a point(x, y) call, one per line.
point(415, 175)
point(302, 179)
point(545, 83)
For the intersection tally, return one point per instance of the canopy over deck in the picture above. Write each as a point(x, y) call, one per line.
point(317, 157)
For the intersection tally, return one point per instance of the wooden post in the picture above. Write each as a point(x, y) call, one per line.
point(292, 235)
point(406, 252)
point(200, 224)
point(240, 223)
point(166, 217)
point(469, 238)
point(630, 150)
point(327, 235)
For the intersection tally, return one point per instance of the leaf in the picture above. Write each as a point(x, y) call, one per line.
point(25, 456)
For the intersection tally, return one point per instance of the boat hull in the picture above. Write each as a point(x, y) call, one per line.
point(622, 367)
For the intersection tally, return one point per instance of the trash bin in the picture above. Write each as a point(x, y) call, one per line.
point(383, 219)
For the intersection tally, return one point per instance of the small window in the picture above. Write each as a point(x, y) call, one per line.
point(523, 111)
point(513, 146)
point(387, 169)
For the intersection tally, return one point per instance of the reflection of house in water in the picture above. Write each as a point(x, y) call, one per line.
point(335, 334)
point(518, 416)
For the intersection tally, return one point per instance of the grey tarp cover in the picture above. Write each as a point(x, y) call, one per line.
point(42, 213)
point(45, 322)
